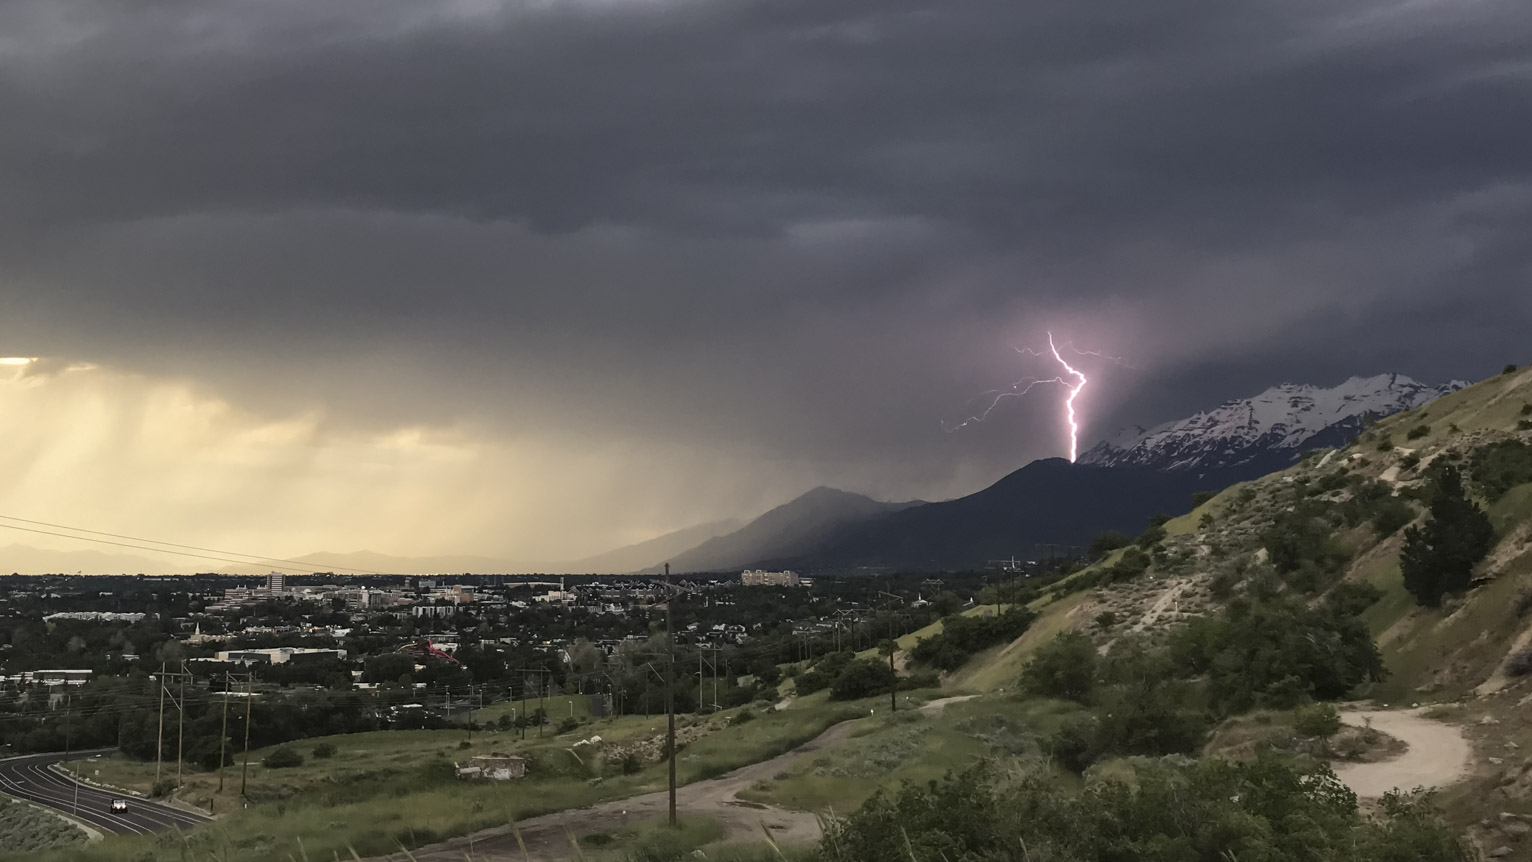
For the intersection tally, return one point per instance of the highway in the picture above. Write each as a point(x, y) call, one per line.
point(30, 778)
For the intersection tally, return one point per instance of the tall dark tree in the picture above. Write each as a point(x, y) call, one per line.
point(1439, 556)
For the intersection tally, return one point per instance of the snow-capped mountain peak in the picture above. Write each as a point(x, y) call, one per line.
point(1281, 423)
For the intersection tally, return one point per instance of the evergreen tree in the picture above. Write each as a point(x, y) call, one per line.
point(1439, 556)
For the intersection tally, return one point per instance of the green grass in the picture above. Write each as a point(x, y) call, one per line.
point(390, 789)
point(27, 828)
point(886, 750)
point(651, 839)
point(999, 667)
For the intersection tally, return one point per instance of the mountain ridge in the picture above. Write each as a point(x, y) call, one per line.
point(1270, 429)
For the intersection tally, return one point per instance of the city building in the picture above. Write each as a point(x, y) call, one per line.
point(277, 655)
point(276, 583)
point(762, 578)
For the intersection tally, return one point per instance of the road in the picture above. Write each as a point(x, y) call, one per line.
point(546, 838)
point(1438, 754)
point(30, 778)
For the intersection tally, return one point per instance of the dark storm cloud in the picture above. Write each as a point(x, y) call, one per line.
point(809, 226)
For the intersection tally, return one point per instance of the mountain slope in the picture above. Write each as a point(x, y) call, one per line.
point(1046, 502)
point(632, 558)
point(787, 530)
point(1268, 431)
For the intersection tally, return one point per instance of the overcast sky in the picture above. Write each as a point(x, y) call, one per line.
point(534, 278)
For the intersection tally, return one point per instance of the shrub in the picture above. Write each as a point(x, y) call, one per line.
point(1065, 668)
point(464, 745)
point(1385, 445)
point(1108, 542)
point(862, 678)
point(631, 763)
point(1509, 369)
point(568, 725)
point(323, 751)
point(744, 716)
point(1409, 462)
point(1201, 498)
point(1106, 619)
point(1417, 432)
point(1519, 664)
point(810, 681)
point(962, 636)
point(283, 757)
point(1391, 516)
point(1319, 721)
point(1499, 467)
point(1526, 409)
point(1524, 425)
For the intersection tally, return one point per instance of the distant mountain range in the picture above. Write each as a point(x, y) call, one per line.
point(1267, 432)
point(789, 530)
point(1117, 485)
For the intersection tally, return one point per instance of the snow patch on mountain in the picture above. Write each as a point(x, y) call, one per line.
point(1284, 420)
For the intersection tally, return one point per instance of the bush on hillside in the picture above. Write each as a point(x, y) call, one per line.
point(1499, 467)
point(1271, 808)
point(1439, 556)
point(1509, 369)
point(1201, 498)
point(1278, 654)
point(1064, 668)
point(1317, 721)
point(323, 751)
point(1391, 515)
point(962, 636)
point(1108, 542)
point(1417, 432)
point(861, 678)
point(811, 681)
point(284, 757)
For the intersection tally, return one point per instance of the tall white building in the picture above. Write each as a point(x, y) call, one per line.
point(276, 583)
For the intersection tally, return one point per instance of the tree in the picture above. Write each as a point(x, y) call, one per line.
point(1065, 668)
point(862, 678)
point(1319, 721)
point(1439, 556)
point(1108, 542)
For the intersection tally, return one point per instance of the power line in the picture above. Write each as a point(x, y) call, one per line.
point(264, 560)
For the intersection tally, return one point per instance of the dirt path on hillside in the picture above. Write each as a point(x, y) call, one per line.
point(1161, 605)
point(1438, 754)
point(547, 837)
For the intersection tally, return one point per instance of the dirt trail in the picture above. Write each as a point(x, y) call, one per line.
point(547, 837)
point(1438, 754)
point(1161, 605)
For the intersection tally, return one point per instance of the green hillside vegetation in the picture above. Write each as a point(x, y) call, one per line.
point(26, 828)
point(1270, 595)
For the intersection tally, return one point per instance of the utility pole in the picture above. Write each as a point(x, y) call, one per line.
point(223, 738)
point(670, 697)
point(159, 737)
point(181, 724)
point(69, 747)
point(244, 770)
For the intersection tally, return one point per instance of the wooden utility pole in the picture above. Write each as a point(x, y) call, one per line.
point(181, 725)
point(670, 697)
point(223, 738)
point(244, 771)
point(159, 737)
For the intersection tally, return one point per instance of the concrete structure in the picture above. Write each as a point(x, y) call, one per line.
point(276, 584)
point(761, 578)
point(493, 767)
point(278, 655)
